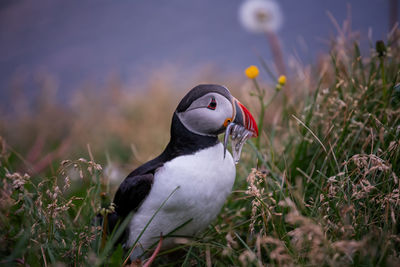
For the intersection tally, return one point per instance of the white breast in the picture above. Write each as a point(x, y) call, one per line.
point(205, 179)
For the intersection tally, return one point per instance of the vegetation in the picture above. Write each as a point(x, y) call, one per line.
point(320, 186)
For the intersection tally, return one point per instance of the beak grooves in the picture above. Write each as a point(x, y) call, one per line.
point(248, 120)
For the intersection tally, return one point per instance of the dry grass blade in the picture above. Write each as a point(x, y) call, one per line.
point(312, 133)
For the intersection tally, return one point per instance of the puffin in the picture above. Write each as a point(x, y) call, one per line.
point(180, 192)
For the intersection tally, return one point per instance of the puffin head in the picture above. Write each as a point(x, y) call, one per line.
point(208, 109)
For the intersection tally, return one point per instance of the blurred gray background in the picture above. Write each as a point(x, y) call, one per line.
point(89, 40)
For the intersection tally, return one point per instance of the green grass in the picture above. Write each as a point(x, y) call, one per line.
point(322, 184)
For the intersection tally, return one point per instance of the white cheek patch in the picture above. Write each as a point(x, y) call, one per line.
point(204, 121)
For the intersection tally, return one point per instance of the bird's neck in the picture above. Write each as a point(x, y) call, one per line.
point(185, 142)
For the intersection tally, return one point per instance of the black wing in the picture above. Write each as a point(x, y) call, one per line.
point(132, 192)
point(135, 188)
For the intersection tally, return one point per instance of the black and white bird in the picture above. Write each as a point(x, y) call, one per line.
point(193, 175)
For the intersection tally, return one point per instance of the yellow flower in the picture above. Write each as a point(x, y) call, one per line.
point(282, 80)
point(252, 72)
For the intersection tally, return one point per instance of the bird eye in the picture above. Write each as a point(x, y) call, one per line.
point(213, 104)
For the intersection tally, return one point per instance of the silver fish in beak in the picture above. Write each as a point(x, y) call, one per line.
point(242, 128)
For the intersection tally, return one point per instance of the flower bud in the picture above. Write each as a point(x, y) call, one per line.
point(380, 48)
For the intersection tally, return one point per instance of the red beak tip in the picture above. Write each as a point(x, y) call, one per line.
point(255, 134)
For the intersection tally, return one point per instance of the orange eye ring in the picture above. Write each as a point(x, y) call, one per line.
point(227, 121)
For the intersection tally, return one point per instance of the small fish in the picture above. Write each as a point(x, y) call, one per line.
point(239, 136)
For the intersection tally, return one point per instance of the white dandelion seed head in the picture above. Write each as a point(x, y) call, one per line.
point(260, 16)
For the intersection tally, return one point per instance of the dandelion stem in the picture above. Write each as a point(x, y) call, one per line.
point(276, 50)
point(263, 107)
point(260, 96)
point(267, 69)
point(271, 99)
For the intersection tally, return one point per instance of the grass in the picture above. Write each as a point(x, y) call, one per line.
point(320, 186)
